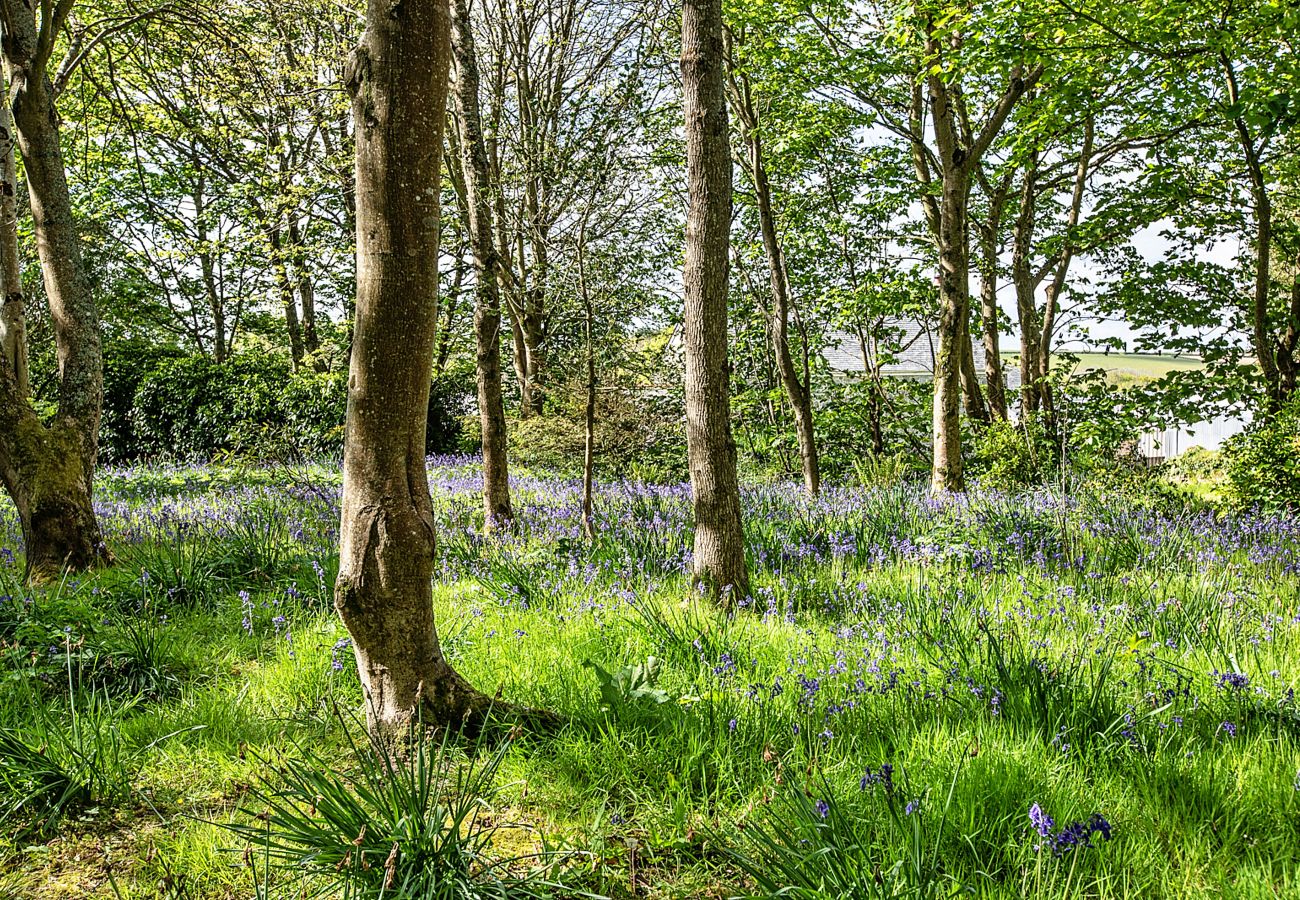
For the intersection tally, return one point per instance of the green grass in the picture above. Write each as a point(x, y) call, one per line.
point(1101, 657)
point(1126, 368)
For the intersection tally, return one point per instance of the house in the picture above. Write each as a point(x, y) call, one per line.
point(848, 354)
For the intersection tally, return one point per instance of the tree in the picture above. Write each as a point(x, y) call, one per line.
point(488, 272)
point(798, 390)
point(719, 551)
point(48, 469)
point(398, 78)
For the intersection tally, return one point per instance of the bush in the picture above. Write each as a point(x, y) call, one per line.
point(1263, 462)
point(639, 435)
point(194, 408)
point(1009, 455)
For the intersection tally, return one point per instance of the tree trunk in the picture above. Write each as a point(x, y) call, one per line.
point(398, 79)
point(946, 472)
point(989, 314)
point(589, 413)
point(960, 148)
point(307, 294)
point(1024, 282)
point(49, 471)
point(971, 392)
point(13, 319)
point(288, 299)
point(487, 290)
point(797, 392)
point(719, 552)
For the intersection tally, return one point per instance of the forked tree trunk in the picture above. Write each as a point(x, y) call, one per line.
point(960, 147)
point(48, 470)
point(398, 79)
point(487, 262)
point(719, 551)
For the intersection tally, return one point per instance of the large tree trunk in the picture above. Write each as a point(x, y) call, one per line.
point(48, 471)
point(398, 79)
point(954, 292)
point(719, 553)
point(487, 292)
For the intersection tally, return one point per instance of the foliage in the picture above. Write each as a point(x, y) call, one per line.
point(193, 408)
point(1010, 455)
point(54, 768)
point(1263, 462)
point(410, 819)
point(628, 687)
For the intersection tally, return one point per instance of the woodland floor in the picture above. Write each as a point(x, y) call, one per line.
point(1102, 656)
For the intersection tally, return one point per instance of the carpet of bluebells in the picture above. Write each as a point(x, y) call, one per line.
point(1004, 695)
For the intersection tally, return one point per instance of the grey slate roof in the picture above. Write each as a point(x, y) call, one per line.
point(915, 359)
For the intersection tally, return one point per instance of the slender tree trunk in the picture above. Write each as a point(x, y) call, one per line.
point(971, 392)
point(589, 413)
point(1286, 351)
point(989, 314)
point(797, 392)
point(13, 320)
point(288, 299)
point(307, 294)
point(1026, 304)
point(876, 409)
point(398, 79)
point(719, 553)
point(487, 261)
point(49, 470)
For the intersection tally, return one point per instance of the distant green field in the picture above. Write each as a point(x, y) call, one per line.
point(1129, 367)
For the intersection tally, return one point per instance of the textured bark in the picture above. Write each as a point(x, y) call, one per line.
point(398, 79)
point(13, 322)
point(487, 262)
point(719, 552)
point(946, 472)
point(48, 471)
point(994, 379)
point(971, 393)
point(959, 151)
point(288, 299)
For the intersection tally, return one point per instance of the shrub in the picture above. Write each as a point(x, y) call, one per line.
point(1010, 455)
point(1263, 462)
point(194, 408)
